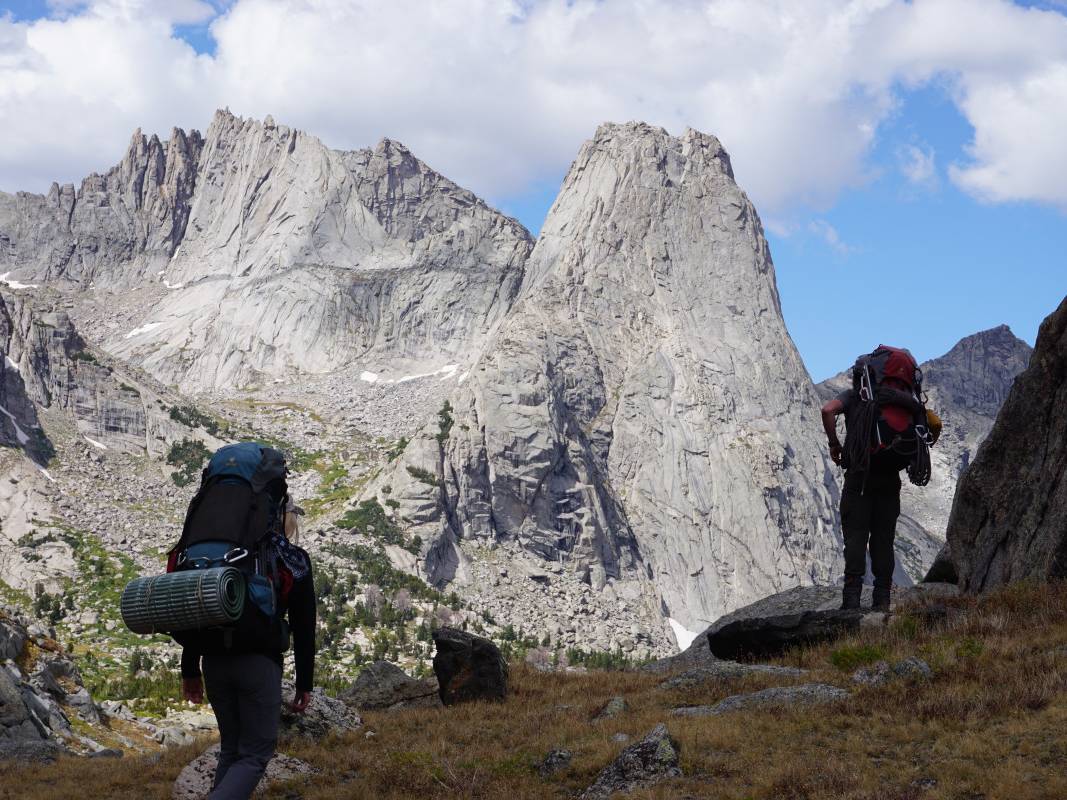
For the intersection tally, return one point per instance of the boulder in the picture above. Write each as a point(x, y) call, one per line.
point(806, 694)
point(324, 715)
point(1009, 515)
point(764, 637)
point(194, 781)
point(468, 667)
point(613, 708)
point(556, 761)
point(383, 685)
point(29, 751)
point(912, 670)
point(642, 764)
point(12, 640)
point(16, 721)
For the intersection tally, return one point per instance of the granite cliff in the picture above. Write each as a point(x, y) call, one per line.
point(1009, 514)
point(642, 416)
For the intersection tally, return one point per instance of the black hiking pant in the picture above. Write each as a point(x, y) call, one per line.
point(245, 692)
point(869, 521)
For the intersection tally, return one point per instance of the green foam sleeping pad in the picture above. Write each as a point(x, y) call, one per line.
point(184, 601)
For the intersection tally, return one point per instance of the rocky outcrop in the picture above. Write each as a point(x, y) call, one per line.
point(642, 415)
point(115, 228)
point(323, 716)
point(468, 667)
point(767, 637)
point(195, 779)
point(1009, 515)
point(650, 761)
point(806, 694)
point(383, 685)
point(966, 387)
point(297, 258)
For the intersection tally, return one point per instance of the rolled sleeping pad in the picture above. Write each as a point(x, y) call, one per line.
point(184, 601)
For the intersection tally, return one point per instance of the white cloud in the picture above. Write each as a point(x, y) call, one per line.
point(497, 94)
point(918, 164)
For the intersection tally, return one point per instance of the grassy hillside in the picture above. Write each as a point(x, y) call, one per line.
point(989, 724)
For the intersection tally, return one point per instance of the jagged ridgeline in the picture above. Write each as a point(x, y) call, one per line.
point(624, 403)
point(275, 254)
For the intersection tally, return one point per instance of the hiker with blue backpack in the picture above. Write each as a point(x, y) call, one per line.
point(238, 521)
point(888, 428)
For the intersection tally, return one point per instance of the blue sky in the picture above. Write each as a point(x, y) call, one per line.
point(906, 160)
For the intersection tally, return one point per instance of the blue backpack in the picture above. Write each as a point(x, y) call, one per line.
point(233, 520)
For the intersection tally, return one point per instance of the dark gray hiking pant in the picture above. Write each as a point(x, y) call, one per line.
point(245, 692)
point(869, 520)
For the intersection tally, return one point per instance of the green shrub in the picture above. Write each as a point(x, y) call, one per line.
point(188, 456)
point(422, 476)
point(850, 657)
point(444, 422)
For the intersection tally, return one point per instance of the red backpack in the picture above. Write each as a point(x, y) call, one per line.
point(891, 420)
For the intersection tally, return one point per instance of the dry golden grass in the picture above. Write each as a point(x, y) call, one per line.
point(991, 724)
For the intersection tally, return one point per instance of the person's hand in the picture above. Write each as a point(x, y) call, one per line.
point(300, 702)
point(193, 690)
point(836, 452)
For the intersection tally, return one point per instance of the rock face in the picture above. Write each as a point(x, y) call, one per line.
point(806, 694)
point(383, 685)
point(643, 764)
point(966, 387)
point(1009, 515)
point(194, 781)
point(766, 637)
point(301, 258)
point(468, 667)
point(113, 229)
point(642, 414)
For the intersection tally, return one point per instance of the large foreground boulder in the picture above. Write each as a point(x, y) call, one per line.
point(194, 781)
point(1009, 515)
point(468, 667)
point(647, 762)
point(767, 637)
point(384, 686)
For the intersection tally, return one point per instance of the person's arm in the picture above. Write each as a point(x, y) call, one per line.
point(302, 620)
point(829, 424)
point(192, 682)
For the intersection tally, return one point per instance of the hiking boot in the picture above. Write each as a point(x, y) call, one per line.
point(880, 598)
point(850, 596)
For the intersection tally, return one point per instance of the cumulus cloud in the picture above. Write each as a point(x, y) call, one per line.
point(498, 93)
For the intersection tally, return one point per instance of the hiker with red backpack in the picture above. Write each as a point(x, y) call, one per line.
point(238, 519)
point(888, 428)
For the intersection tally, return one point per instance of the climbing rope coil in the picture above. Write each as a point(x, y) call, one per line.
point(183, 601)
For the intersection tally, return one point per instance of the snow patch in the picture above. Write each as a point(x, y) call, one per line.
point(463, 377)
point(16, 284)
point(95, 443)
point(11, 364)
point(446, 372)
point(19, 433)
point(172, 285)
point(682, 635)
point(45, 473)
point(148, 326)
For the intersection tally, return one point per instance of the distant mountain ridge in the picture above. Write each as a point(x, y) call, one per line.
point(260, 253)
